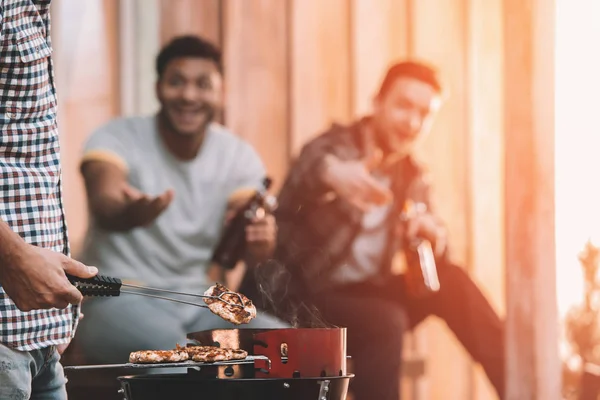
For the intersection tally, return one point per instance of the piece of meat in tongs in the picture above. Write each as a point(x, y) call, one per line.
point(106, 286)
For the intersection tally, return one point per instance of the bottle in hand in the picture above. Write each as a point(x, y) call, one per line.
point(421, 270)
point(232, 246)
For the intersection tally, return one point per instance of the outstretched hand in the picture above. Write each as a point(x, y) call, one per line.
point(143, 209)
point(352, 181)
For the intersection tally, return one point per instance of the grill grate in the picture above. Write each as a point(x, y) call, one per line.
point(184, 364)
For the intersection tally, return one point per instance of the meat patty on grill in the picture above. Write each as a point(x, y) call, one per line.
point(212, 353)
point(158, 356)
point(240, 313)
point(180, 354)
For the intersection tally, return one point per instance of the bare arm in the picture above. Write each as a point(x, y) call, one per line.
point(106, 185)
point(114, 203)
point(426, 222)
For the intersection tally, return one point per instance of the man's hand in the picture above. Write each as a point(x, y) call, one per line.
point(61, 348)
point(261, 236)
point(142, 209)
point(427, 226)
point(114, 203)
point(35, 278)
point(353, 182)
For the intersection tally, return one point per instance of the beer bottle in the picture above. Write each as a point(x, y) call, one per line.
point(232, 245)
point(421, 270)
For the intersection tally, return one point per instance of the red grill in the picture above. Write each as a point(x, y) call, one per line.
point(293, 364)
point(291, 353)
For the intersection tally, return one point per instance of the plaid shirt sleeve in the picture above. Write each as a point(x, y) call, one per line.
point(30, 174)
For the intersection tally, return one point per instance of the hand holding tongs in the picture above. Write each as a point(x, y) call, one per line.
point(106, 286)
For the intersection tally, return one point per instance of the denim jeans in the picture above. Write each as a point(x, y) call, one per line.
point(35, 375)
point(375, 318)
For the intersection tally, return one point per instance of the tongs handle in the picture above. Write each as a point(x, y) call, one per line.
point(99, 285)
point(107, 286)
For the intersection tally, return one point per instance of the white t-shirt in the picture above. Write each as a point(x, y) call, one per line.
point(368, 248)
point(174, 251)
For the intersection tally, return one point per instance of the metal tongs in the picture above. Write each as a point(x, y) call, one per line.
point(106, 286)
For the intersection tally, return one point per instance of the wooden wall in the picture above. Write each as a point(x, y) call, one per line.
point(295, 66)
point(532, 329)
point(86, 49)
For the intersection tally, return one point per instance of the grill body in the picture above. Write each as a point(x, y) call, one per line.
point(188, 387)
point(297, 364)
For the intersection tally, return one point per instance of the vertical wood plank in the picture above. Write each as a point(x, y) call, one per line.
point(196, 17)
point(257, 76)
point(486, 159)
point(439, 37)
point(86, 48)
point(379, 38)
point(533, 366)
point(441, 40)
point(320, 66)
point(139, 43)
point(486, 145)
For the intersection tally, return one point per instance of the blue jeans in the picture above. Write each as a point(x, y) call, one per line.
point(35, 375)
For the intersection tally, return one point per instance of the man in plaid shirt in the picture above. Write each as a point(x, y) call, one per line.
point(38, 306)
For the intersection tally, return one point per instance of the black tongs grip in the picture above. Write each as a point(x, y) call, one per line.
point(106, 286)
point(99, 285)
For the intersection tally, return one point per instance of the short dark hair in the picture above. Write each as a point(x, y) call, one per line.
point(187, 46)
point(411, 69)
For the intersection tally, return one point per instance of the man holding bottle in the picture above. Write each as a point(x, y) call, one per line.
point(345, 232)
point(160, 188)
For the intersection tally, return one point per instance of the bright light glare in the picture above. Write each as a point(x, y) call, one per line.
point(577, 141)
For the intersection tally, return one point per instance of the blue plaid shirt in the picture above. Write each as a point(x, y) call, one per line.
point(30, 174)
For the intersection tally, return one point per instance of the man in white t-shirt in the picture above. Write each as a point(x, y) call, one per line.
point(159, 189)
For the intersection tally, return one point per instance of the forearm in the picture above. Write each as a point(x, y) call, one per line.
point(440, 244)
point(253, 260)
point(110, 214)
point(107, 187)
point(10, 244)
point(325, 178)
point(110, 211)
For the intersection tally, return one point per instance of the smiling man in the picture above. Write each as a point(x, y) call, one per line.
point(158, 189)
point(343, 233)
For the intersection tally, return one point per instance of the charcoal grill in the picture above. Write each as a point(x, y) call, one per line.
point(185, 387)
point(294, 364)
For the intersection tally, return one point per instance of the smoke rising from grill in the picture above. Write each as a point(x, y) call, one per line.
point(281, 296)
